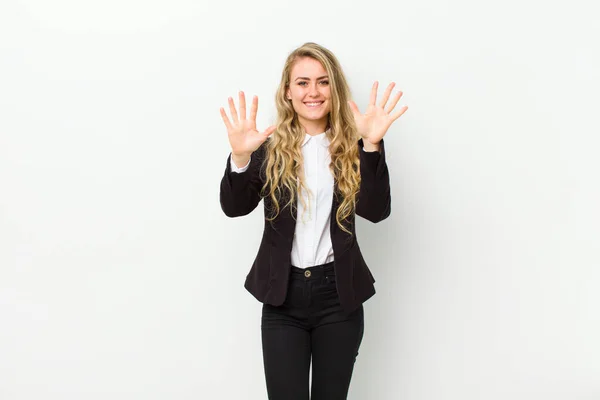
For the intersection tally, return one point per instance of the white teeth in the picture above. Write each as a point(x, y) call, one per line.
point(314, 104)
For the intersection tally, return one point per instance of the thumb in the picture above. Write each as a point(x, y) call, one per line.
point(267, 132)
point(353, 107)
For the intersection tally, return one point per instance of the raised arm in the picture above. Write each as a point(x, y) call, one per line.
point(374, 200)
point(240, 191)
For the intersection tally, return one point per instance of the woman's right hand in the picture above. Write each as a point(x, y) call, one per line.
point(242, 133)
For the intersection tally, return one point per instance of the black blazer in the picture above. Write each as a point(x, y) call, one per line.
point(269, 274)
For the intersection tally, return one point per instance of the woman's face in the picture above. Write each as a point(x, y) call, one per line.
point(310, 94)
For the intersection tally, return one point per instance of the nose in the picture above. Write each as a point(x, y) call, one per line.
point(313, 91)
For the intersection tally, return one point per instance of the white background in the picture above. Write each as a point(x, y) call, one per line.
point(121, 278)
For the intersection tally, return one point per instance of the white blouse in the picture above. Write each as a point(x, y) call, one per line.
point(312, 238)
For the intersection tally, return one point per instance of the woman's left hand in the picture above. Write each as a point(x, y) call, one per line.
point(374, 123)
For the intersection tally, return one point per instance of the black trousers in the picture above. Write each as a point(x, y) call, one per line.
point(310, 323)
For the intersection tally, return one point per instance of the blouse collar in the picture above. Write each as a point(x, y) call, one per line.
point(321, 138)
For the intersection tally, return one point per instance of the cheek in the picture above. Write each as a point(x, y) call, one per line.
point(327, 95)
point(296, 93)
point(296, 100)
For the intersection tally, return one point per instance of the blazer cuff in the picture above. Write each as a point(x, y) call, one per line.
point(235, 168)
point(374, 160)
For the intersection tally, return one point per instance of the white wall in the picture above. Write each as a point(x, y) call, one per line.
point(117, 278)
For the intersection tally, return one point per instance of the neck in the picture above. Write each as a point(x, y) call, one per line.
point(314, 127)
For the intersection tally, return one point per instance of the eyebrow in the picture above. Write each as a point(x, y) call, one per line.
point(308, 79)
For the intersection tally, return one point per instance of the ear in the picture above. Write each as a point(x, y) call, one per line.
point(288, 95)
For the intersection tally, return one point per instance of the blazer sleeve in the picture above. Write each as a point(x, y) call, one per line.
point(240, 191)
point(374, 199)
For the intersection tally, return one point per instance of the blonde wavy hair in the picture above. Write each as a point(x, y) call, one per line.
point(283, 155)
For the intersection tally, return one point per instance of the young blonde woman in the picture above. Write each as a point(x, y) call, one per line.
point(319, 166)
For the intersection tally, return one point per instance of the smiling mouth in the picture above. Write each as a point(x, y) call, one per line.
point(313, 104)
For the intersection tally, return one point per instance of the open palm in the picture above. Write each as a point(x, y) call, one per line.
point(242, 133)
point(374, 123)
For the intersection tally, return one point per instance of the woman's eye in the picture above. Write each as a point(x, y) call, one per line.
point(304, 83)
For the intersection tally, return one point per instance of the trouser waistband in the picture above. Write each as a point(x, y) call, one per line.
point(316, 271)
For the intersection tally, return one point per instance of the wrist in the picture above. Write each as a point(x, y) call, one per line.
point(240, 155)
point(240, 160)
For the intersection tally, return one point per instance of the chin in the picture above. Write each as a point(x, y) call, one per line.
point(314, 117)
